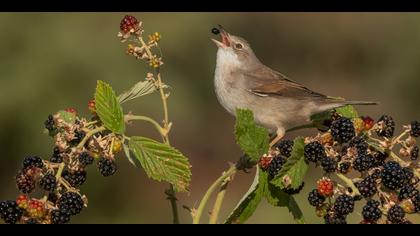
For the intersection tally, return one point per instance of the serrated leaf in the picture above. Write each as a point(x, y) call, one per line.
point(249, 202)
point(295, 167)
point(295, 210)
point(108, 108)
point(68, 117)
point(140, 89)
point(130, 157)
point(252, 138)
point(347, 111)
point(162, 162)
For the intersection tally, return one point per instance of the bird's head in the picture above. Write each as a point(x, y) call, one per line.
point(234, 50)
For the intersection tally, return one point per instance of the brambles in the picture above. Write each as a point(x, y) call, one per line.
point(10, 212)
point(48, 182)
point(396, 214)
point(385, 126)
point(285, 147)
point(344, 205)
point(107, 167)
point(371, 211)
point(342, 130)
point(415, 129)
point(315, 198)
point(314, 151)
point(393, 176)
point(325, 187)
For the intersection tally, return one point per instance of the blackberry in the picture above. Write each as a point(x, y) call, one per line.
point(376, 174)
point(396, 214)
point(416, 203)
point(367, 187)
point(32, 161)
point(25, 183)
point(275, 166)
point(371, 211)
point(360, 144)
point(344, 205)
point(379, 158)
point(129, 23)
point(409, 175)
point(85, 159)
point(408, 191)
point(342, 130)
point(56, 156)
point(388, 127)
point(344, 167)
point(328, 164)
point(53, 198)
point(292, 191)
point(315, 198)
point(285, 147)
point(59, 216)
point(215, 31)
point(50, 124)
point(75, 178)
point(48, 182)
point(71, 202)
point(314, 151)
point(363, 162)
point(334, 219)
point(393, 176)
point(10, 212)
point(415, 129)
point(414, 154)
point(78, 137)
point(32, 221)
point(108, 167)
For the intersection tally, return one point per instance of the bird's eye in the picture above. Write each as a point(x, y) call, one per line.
point(238, 46)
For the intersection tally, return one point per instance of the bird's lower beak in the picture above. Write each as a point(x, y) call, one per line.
point(225, 38)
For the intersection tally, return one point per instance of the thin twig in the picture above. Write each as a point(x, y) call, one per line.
point(219, 200)
point(90, 134)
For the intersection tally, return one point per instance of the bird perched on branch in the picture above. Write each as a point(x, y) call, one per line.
point(278, 103)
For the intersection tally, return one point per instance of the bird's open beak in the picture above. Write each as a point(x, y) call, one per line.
point(225, 38)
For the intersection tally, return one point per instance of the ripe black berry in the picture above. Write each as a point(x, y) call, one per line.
point(408, 191)
point(275, 166)
point(344, 167)
point(379, 158)
point(53, 198)
point(71, 202)
point(315, 198)
point(85, 159)
point(342, 130)
point(395, 214)
point(388, 127)
point(371, 211)
point(416, 203)
point(10, 212)
point(59, 216)
point(314, 151)
point(414, 154)
point(335, 219)
point(56, 156)
point(415, 129)
point(393, 176)
point(25, 183)
point(360, 144)
point(78, 136)
point(344, 205)
point(50, 124)
point(328, 164)
point(285, 147)
point(215, 31)
point(367, 187)
point(108, 167)
point(363, 162)
point(75, 178)
point(48, 182)
point(292, 191)
point(32, 161)
point(32, 221)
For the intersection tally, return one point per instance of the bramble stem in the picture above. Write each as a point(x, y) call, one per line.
point(218, 203)
point(89, 134)
point(60, 170)
point(197, 215)
point(147, 119)
point(349, 183)
point(402, 162)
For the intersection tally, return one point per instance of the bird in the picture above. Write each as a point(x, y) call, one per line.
point(278, 103)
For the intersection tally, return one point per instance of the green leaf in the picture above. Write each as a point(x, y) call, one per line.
point(162, 162)
point(250, 201)
point(295, 210)
point(295, 167)
point(140, 89)
point(68, 117)
point(347, 111)
point(130, 158)
point(252, 138)
point(108, 108)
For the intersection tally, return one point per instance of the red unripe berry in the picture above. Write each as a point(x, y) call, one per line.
point(92, 106)
point(265, 161)
point(129, 23)
point(71, 110)
point(368, 122)
point(22, 201)
point(325, 187)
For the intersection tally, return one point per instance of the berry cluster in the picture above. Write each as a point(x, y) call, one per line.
point(361, 154)
point(76, 147)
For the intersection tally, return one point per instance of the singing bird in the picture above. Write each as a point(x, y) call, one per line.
point(277, 102)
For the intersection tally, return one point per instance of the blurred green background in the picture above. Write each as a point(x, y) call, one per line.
point(50, 61)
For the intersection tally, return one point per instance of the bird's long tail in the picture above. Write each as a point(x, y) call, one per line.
point(336, 103)
point(359, 103)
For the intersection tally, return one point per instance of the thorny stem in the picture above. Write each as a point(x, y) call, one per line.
point(218, 203)
point(197, 215)
point(159, 128)
point(349, 183)
point(89, 134)
point(166, 126)
point(60, 171)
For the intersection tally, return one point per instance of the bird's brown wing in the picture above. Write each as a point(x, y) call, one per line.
point(266, 82)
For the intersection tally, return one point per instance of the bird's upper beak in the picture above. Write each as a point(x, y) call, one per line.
point(225, 38)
